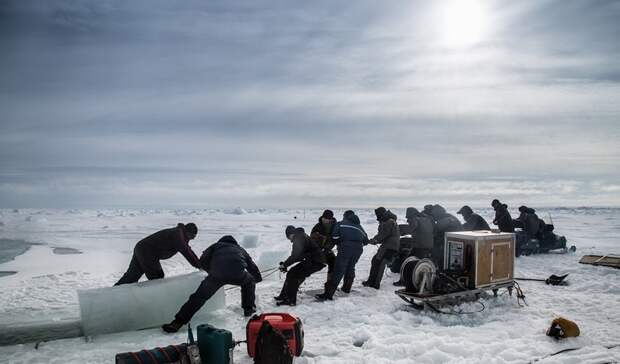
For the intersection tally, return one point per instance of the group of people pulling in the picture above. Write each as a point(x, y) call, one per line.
point(226, 262)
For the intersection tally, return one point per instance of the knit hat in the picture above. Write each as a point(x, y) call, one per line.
point(428, 209)
point(289, 230)
point(191, 229)
point(495, 203)
point(328, 214)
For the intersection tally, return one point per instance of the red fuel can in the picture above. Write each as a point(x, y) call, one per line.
point(288, 325)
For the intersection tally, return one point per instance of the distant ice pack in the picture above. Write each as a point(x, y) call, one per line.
point(141, 305)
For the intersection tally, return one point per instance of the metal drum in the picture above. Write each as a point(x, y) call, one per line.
point(413, 270)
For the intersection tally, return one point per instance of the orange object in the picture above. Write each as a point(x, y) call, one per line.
point(288, 325)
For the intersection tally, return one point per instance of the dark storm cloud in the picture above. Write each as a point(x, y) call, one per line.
point(122, 96)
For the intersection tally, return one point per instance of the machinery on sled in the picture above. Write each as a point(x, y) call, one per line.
point(473, 262)
point(544, 240)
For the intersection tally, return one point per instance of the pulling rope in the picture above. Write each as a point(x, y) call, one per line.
point(520, 295)
point(270, 270)
point(567, 350)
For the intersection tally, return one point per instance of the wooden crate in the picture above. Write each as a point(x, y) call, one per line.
point(486, 258)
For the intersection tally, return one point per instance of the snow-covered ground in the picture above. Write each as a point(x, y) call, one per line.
point(368, 326)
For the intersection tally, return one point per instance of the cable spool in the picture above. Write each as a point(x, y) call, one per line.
point(413, 270)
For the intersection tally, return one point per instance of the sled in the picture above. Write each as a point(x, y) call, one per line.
point(425, 299)
point(604, 260)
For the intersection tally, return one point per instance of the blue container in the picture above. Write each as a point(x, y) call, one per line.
point(215, 345)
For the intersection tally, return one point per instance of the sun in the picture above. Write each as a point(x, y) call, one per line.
point(463, 23)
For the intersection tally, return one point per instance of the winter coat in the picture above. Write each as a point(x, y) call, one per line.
point(422, 228)
point(322, 234)
point(503, 220)
point(349, 232)
point(475, 222)
point(304, 248)
point(530, 222)
point(166, 243)
point(227, 260)
point(444, 222)
point(388, 234)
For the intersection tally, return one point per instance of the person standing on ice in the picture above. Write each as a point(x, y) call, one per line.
point(309, 258)
point(473, 221)
point(162, 245)
point(444, 222)
point(502, 219)
point(350, 238)
point(388, 236)
point(226, 263)
point(420, 226)
point(322, 234)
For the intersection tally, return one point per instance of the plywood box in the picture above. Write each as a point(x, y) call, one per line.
point(485, 258)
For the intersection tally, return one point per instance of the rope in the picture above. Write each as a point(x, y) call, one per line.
point(567, 350)
point(520, 295)
point(270, 270)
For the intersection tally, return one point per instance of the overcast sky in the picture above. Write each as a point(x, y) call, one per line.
point(308, 104)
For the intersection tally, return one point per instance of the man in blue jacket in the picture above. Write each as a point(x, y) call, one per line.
point(350, 238)
point(227, 263)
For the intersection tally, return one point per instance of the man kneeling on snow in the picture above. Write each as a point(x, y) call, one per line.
point(226, 263)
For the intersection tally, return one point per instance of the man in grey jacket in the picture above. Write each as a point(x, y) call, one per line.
point(388, 236)
point(309, 258)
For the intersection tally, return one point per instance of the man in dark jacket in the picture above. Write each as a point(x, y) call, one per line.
point(528, 220)
point(388, 236)
point(502, 219)
point(421, 227)
point(322, 235)
point(444, 222)
point(473, 221)
point(226, 263)
point(350, 238)
point(162, 245)
point(309, 258)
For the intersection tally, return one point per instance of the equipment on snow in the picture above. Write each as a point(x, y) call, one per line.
point(169, 354)
point(474, 261)
point(562, 328)
point(271, 346)
point(215, 345)
point(552, 280)
point(289, 326)
point(604, 260)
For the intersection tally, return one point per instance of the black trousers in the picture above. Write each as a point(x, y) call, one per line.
point(207, 289)
point(377, 266)
point(330, 259)
point(296, 276)
point(142, 263)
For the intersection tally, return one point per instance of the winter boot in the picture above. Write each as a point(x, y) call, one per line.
point(247, 312)
point(347, 284)
point(172, 327)
point(328, 294)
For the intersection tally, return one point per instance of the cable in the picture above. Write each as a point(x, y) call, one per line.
point(270, 270)
point(520, 295)
point(569, 349)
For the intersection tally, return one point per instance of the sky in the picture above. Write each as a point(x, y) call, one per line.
point(107, 104)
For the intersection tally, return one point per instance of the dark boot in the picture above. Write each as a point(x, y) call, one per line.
point(328, 294)
point(329, 279)
point(286, 303)
point(347, 284)
point(247, 312)
point(172, 327)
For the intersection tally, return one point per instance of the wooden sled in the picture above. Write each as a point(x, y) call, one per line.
point(605, 260)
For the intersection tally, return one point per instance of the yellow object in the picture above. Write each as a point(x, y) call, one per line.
point(562, 328)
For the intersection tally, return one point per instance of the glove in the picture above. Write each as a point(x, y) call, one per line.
point(372, 241)
point(282, 268)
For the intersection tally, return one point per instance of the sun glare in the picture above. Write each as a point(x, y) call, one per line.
point(463, 23)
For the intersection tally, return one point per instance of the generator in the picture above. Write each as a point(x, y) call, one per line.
point(473, 261)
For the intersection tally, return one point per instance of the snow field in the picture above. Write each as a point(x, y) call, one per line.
point(367, 326)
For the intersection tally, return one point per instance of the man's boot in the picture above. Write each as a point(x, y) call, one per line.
point(172, 327)
point(330, 289)
point(347, 284)
point(329, 279)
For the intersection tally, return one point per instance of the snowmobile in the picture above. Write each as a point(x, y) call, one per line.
point(544, 241)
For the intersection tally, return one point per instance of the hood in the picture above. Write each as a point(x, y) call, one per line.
point(438, 210)
point(228, 239)
point(350, 216)
point(530, 210)
point(389, 215)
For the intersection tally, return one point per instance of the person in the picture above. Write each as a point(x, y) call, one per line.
point(350, 238)
point(309, 258)
point(444, 222)
point(502, 219)
point(473, 221)
point(226, 263)
point(421, 227)
point(388, 236)
point(529, 221)
point(161, 245)
point(322, 234)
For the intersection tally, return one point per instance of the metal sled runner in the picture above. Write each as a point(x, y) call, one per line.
point(421, 300)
